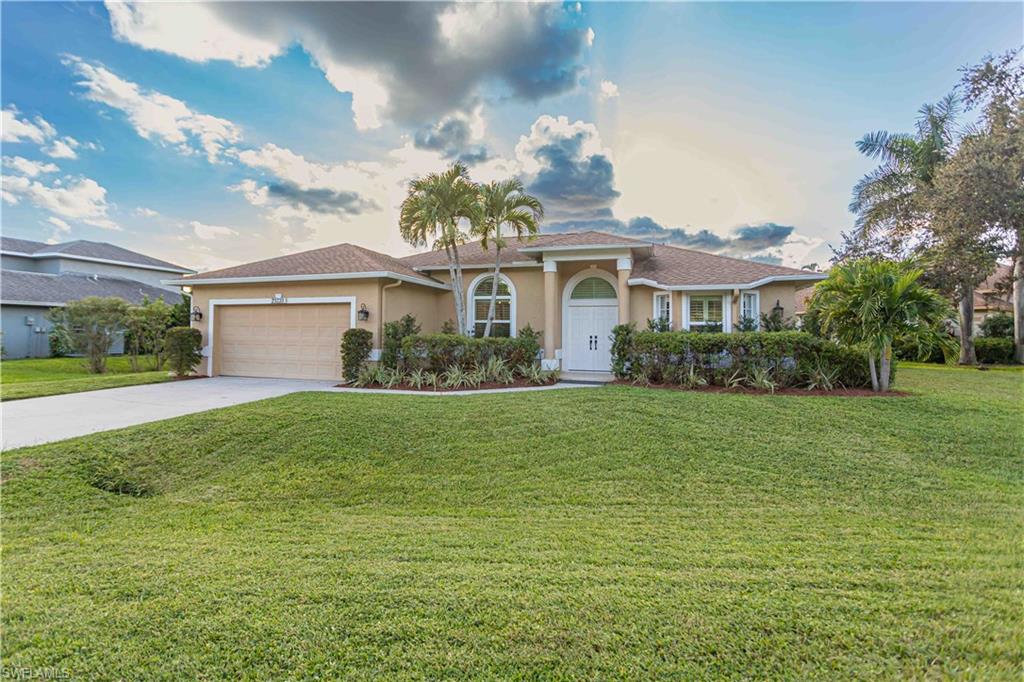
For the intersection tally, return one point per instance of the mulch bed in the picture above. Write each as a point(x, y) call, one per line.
point(746, 390)
point(519, 383)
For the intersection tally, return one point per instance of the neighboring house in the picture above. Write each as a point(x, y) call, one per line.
point(989, 299)
point(284, 317)
point(35, 277)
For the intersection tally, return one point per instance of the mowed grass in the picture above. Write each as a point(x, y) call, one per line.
point(616, 532)
point(35, 377)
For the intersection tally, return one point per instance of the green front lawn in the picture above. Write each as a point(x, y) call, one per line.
point(34, 377)
point(584, 533)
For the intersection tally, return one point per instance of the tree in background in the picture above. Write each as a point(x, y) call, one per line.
point(92, 324)
point(433, 212)
point(966, 236)
point(996, 86)
point(146, 325)
point(505, 209)
point(870, 303)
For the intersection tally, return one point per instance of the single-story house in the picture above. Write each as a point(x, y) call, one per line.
point(35, 277)
point(284, 317)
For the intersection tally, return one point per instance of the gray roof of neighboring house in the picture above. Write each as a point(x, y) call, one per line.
point(38, 288)
point(83, 249)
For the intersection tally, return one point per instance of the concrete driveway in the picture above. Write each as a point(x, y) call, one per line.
point(43, 420)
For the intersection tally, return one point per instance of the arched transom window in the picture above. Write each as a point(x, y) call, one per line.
point(504, 323)
point(592, 288)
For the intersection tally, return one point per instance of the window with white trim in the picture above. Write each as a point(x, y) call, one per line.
point(663, 308)
point(503, 322)
point(706, 313)
point(750, 313)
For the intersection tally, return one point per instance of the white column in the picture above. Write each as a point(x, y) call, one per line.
point(550, 311)
point(625, 268)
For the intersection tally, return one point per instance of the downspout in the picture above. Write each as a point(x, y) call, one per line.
point(383, 310)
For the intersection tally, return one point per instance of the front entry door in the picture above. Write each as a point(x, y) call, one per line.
point(590, 329)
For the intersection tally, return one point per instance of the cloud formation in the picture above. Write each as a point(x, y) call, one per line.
point(207, 232)
point(745, 241)
point(457, 137)
point(79, 199)
point(155, 115)
point(609, 90)
point(321, 199)
point(27, 167)
point(17, 129)
point(403, 61)
point(568, 169)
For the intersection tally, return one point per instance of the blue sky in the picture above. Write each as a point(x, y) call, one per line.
point(214, 134)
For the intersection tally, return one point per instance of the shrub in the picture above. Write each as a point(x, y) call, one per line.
point(60, 341)
point(622, 345)
point(440, 352)
point(998, 325)
point(994, 351)
point(183, 347)
point(767, 359)
point(394, 332)
point(92, 323)
point(355, 351)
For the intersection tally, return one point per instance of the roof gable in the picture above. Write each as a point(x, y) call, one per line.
point(346, 259)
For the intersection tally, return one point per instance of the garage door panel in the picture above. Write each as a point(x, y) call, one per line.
point(294, 341)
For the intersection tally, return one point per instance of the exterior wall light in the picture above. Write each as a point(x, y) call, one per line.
point(197, 314)
point(363, 313)
point(778, 309)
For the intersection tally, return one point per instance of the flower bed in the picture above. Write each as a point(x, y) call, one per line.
point(495, 373)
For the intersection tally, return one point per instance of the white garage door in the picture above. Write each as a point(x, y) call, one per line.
point(291, 341)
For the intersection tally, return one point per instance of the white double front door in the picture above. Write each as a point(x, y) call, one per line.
point(589, 344)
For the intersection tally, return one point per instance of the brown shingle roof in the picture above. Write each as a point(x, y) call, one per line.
point(337, 259)
point(989, 297)
point(472, 253)
point(675, 266)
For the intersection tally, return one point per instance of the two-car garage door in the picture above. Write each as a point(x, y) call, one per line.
point(291, 341)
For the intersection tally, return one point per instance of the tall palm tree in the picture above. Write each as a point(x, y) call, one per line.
point(889, 198)
point(505, 210)
point(433, 212)
point(871, 302)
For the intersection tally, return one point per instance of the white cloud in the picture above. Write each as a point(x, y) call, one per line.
point(609, 90)
point(590, 37)
point(22, 130)
point(27, 167)
point(154, 114)
point(207, 232)
point(547, 130)
point(191, 30)
point(63, 148)
point(59, 224)
point(146, 212)
point(80, 199)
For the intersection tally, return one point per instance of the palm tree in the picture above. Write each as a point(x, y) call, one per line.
point(432, 212)
point(505, 209)
point(889, 197)
point(871, 302)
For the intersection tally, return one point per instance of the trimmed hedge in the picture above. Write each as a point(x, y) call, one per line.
point(780, 359)
point(355, 351)
point(439, 352)
point(994, 350)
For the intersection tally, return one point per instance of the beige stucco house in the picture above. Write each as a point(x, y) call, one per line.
point(284, 317)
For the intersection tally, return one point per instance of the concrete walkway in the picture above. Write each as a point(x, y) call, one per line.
point(43, 420)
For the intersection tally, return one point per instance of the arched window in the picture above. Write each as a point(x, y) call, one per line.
point(592, 288)
point(504, 323)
